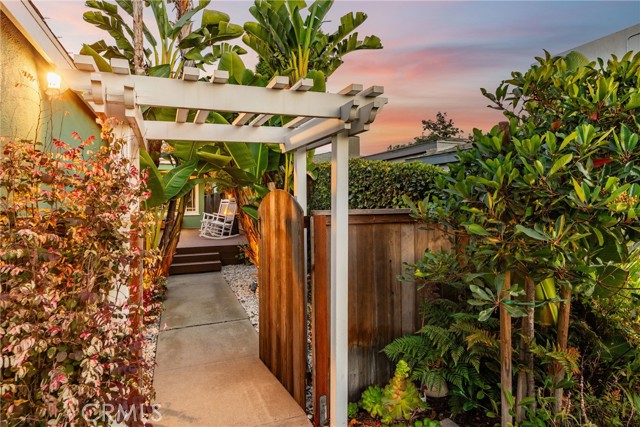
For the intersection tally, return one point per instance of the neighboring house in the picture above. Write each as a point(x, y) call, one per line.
point(433, 153)
point(618, 44)
point(28, 51)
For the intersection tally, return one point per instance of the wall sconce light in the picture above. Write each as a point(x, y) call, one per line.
point(53, 84)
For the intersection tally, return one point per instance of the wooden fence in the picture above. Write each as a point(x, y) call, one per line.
point(282, 281)
point(380, 307)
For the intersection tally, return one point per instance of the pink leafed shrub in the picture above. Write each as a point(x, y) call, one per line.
point(68, 343)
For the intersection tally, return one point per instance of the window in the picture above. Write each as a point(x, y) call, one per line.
point(192, 202)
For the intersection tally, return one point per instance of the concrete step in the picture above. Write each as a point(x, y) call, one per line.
point(195, 267)
point(195, 257)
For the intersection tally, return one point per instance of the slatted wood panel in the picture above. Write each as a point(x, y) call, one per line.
point(281, 278)
point(380, 307)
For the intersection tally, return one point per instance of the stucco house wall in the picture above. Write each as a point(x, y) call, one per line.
point(27, 111)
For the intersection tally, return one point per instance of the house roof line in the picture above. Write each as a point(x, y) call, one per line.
point(28, 19)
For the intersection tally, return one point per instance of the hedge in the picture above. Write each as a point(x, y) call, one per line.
point(375, 184)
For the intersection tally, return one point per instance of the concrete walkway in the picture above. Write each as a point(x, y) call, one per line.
point(209, 372)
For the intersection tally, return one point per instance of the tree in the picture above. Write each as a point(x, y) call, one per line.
point(552, 194)
point(289, 45)
point(164, 59)
point(438, 129)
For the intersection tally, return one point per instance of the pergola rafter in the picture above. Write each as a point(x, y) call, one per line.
point(317, 119)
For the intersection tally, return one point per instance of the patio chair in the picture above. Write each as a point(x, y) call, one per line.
point(219, 225)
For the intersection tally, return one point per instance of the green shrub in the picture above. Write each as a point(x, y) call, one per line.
point(375, 184)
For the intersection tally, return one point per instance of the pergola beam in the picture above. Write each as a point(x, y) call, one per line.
point(198, 95)
point(214, 132)
point(315, 130)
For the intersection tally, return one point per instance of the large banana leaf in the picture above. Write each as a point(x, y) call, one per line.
point(186, 150)
point(102, 64)
point(211, 155)
point(177, 177)
point(107, 52)
point(186, 19)
point(260, 154)
point(242, 155)
point(114, 26)
point(159, 9)
point(231, 62)
point(154, 181)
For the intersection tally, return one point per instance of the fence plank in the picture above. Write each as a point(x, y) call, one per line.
point(380, 307)
point(282, 281)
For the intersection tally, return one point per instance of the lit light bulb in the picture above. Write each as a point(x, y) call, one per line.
point(53, 80)
point(53, 84)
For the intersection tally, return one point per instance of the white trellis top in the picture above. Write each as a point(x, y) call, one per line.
point(316, 116)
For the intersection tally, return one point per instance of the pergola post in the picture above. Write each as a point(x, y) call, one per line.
point(300, 178)
point(339, 321)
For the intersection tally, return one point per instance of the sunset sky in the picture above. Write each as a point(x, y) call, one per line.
point(436, 56)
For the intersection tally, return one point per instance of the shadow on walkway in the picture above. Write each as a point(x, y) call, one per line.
point(209, 372)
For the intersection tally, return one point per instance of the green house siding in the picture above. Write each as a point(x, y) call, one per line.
point(193, 220)
point(27, 112)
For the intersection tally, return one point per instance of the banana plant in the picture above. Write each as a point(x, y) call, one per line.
point(163, 56)
point(291, 45)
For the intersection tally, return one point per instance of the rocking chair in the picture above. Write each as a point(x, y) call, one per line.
point(219, 225)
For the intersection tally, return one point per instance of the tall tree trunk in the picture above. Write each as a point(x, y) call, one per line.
point(249, 226)
point(505, 355)
point(173, 238)
point(169, 224)
point(138, 44)
point(526, 385)
point(563, 343)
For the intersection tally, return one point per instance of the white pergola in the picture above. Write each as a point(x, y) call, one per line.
point(318, 119)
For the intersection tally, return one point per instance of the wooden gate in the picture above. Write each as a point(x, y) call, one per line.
point(282, 282)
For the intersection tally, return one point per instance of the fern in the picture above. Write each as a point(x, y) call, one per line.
point(450, 349)
point(411, 348)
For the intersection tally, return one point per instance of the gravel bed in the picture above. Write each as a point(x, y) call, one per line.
point(243, 281)
point(149, 348)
